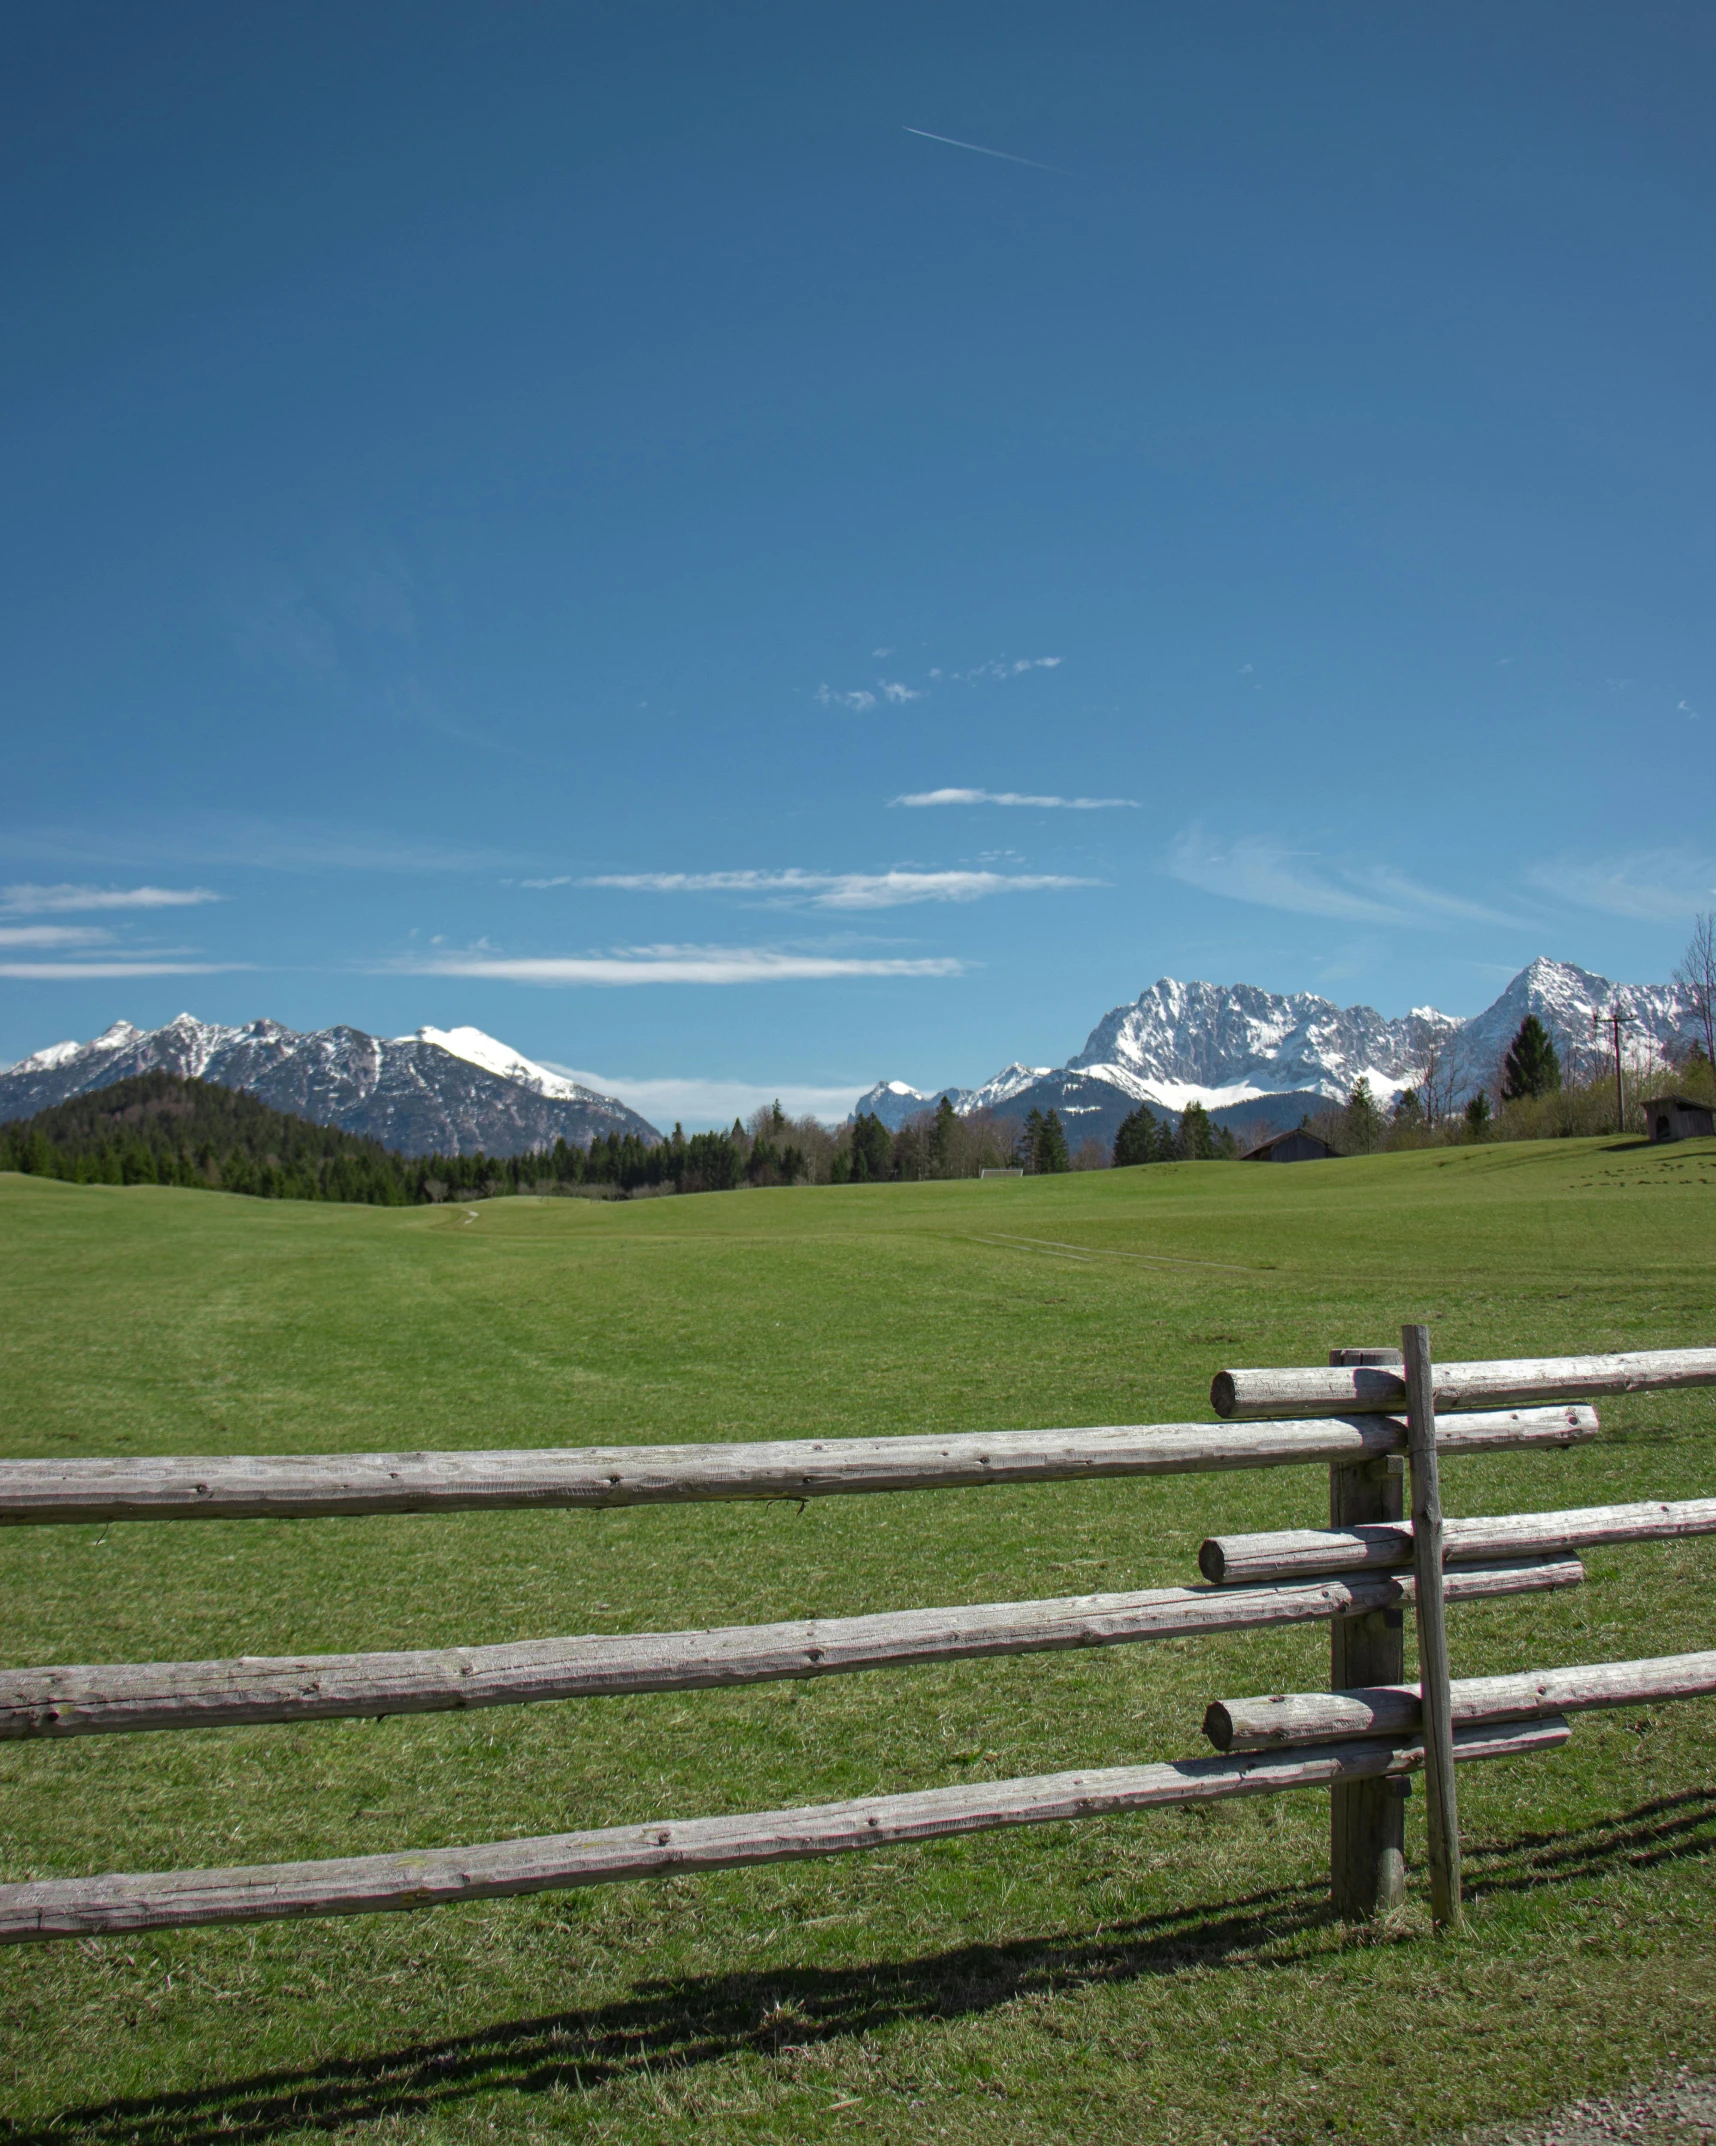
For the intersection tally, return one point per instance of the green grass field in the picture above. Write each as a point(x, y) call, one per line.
point(1163, 1977)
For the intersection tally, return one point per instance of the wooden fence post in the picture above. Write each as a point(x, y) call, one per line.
point(1442, 1809)
point(1367, 1819)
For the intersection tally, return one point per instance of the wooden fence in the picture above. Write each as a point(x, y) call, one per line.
point(1372, 1417)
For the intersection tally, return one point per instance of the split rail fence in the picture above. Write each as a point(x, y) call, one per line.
point(1378, 1419)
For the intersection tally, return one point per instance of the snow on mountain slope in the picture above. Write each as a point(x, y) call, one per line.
point(1233, 1047)
point(894, 1102)
point(1566, 1000)
point(478, 1049)
point(452, 1091)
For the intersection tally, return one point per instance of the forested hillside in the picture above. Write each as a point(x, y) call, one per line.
point(164, 1129)
point(161, 1129)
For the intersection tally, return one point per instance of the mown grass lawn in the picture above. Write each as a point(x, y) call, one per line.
point(1155, 1978)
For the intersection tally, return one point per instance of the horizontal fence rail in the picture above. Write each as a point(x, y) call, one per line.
point(1346, 1390)
point(1299, 1552)
point(1287, 1718)
point(352, 1885)
point(302, 1486)
point(102, 1699)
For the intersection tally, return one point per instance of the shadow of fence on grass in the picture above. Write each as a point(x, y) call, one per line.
point(671, 2027)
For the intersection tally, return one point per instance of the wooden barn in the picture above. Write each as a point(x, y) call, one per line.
point(1296, 1146)
point(1678, 1117)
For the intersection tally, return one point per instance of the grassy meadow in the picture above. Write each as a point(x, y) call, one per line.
point(1155, 1978)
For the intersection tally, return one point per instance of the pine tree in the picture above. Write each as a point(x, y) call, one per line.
point(1026, 1141)
point(1138, 1140)
point(1363, 1119)
point(872, 1150)
point(1050, 1158)
point(1478, 1115)
point(1197, 1135)
point(1531, 1067)
point(941, 1135)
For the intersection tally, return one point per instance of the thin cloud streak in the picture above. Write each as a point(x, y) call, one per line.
point(66, 972)
point(254, 843)
point(920, 798)
point(1651, 887)
point(673, 965)
point(1264, 871)
point(29, 901)
point(52, 935)
point(977, 148)
point(843, 890)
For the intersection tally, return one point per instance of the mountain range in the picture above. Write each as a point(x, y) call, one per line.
point(1262, 1058)
point(1253, 1058)
point(443, 1091)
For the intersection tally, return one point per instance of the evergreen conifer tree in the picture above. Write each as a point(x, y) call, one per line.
point(1197, 1135)
point(1363, 1119)
point(1138, 1140)
point(1531, 1067)
point(872, 1150)
point(941, 1136)
point(1051, 1156)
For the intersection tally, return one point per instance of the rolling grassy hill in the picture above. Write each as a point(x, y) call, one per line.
point(1156, 1978)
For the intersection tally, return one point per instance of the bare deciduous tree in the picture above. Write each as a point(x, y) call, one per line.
point(1696, 976)
point(1436, 1085)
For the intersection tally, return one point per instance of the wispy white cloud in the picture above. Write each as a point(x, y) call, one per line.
point(252, 842)
point(1000, 667)
point(672, 965)
point(1012, 797)
point(893, 690)
point(697, 1103)
point(66, 972)
point(840, 890)
point(52, 935)
point(1652, 886)
point(29, 901)
point(1263, 870)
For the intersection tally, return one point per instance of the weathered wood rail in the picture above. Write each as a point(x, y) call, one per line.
point(89, 1700)
point(1354, 1389)
point(1358, 1740)
point(1253, 1560)
point(1309, 1717)
point(370, 1884)
point(323, 1485)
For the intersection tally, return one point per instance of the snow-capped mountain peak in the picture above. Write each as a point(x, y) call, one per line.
point(441, 1091)
point(1258, 1055)
point(478, 1049)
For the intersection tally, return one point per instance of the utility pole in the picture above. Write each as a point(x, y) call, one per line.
point(1614, 1021)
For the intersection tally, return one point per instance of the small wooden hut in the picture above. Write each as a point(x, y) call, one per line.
point(1297, 1146)
point(1678, 1117)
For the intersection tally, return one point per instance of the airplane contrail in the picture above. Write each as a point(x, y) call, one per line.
point(1006, 155)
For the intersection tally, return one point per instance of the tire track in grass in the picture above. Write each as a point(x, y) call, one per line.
point(1091, 1253)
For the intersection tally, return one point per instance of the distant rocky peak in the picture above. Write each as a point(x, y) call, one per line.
point(1230, 1044)
point(411, 1093)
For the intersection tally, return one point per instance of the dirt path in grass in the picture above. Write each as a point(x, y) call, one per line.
point(1680, 2111)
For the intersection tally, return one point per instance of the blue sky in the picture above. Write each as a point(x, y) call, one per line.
point(596, 523)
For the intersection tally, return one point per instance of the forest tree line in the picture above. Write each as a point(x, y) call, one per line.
point(162, 1129)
